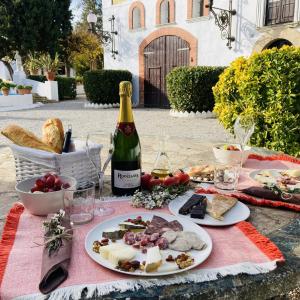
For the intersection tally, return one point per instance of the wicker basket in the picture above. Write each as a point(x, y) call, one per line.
point(31, 162)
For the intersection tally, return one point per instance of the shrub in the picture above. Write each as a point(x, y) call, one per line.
point(265, 86)
point(40, 78)
point(66, 87)
point(190, 88)
point(102, 86)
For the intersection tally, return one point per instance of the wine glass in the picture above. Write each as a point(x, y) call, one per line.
point(243, 129)
point(100, 210)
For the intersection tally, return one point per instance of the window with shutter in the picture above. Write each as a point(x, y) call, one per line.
point(165, 12)
point(136, 18)
point(197, 8)
point(279, 11)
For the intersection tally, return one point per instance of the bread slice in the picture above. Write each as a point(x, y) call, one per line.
point(53, 134)
point(25, 138)
point(219, 206)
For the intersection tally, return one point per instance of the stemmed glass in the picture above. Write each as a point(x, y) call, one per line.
point(100, 210)
point(243, 129)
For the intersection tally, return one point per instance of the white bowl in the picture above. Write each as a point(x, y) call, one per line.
point(229, 156)
point(44, 203)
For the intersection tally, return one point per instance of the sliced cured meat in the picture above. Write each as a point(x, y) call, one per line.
point(180, 244)
point(175, 225)
point(162, 243)
point(193, 239)
point(156, 224)
point(170, 235)
point(154, 237)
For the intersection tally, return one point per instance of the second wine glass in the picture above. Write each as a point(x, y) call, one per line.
point(101, 208)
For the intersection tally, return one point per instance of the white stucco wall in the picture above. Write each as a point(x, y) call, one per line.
point(212, 50)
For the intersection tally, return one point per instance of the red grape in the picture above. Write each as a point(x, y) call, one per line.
point(46, 190)
point(47, 175)
point(40, 183)
point(57, 182)
point(66, 185)
point(50, 181)
point(34, 189)
point(50, 190)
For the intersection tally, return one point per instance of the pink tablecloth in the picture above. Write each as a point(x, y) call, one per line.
point(236, 249)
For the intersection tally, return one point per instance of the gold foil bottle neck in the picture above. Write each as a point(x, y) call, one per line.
point(125, 88)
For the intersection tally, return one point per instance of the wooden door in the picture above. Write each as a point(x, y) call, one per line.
point(161, 56)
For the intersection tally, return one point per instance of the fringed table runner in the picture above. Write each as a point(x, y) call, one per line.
point(236, 249)
point(257, 162)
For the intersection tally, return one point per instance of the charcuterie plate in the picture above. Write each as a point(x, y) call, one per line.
point(160, 258)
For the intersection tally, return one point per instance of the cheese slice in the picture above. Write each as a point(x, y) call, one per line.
point(220, 205)
point(105, 250)
point(124, 254)
point(153, 260)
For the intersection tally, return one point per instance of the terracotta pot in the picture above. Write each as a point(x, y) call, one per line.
point(27, 91)
point(21, 91)
point(5, 92)
point(50, 76)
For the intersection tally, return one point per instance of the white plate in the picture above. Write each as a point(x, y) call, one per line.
point(274, 173)
point(238, 213)
point(196, 179)
point(166, 268)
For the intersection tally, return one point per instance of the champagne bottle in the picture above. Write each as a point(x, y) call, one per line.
point(126, 158)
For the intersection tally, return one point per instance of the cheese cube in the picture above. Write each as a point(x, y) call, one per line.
point(122, 254)
point(153, 260)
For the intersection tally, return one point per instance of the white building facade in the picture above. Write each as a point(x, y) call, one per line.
point(154, 36)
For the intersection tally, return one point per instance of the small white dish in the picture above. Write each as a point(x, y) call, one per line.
point(41, 204)
point(230, 156)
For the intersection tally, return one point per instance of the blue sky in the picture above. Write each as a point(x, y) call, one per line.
point(76, 9)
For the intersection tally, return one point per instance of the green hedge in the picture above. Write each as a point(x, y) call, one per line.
point(66, 85)
point(190, 88)
point(40, 78)
point(266, 86)
point(102, 86)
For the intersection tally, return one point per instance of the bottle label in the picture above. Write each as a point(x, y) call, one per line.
point(126, 128)
point(127, 179)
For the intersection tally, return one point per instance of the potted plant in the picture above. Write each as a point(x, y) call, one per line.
point(32, 64)
point(5, 89)
point(28, 89)
point(50, 65)
point(21, 89)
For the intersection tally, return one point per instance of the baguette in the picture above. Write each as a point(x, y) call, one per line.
point(53, 134)
point(25, 138)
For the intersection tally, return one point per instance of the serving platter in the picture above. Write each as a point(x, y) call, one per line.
point(275, 174)
point(167, 268)
point(196, 179)
point(238, 213)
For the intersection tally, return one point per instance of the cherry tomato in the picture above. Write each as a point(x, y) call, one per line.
point(184, 178)
point(171, 180)
point(154, 181)
point(145, 179)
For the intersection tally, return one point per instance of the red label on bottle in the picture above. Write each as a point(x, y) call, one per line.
point(126, 128)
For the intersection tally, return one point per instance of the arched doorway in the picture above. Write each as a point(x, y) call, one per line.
point(161, 56)
point(159, 53)
point(279, 43)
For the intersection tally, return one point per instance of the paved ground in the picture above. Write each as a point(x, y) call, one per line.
point(189, 141)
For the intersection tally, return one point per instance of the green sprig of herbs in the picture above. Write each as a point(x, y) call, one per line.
point(55, 233)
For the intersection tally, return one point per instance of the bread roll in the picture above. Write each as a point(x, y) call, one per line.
point(53, 134)
point(25, 138)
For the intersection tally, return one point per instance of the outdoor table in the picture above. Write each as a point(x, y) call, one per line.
point(281, 226)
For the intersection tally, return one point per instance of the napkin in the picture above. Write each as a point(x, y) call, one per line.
point(55, 267)
point(264, 193)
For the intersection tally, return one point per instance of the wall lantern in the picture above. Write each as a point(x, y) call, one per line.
point(223, 19)
point(106, 37)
